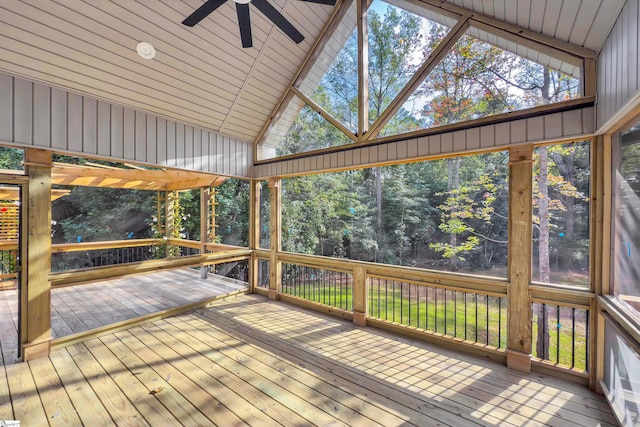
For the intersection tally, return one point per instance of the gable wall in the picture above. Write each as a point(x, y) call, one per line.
point(619, 66)
point(35, 115)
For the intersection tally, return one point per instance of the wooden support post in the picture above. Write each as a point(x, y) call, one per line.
point(363, 68)
point(168, 219)
point(204, 226)
point(36, 313)
point(360, 300)
point(520, 235)
point(254, 231)
point(275, 266)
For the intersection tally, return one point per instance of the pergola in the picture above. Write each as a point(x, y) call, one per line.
point(205, 109)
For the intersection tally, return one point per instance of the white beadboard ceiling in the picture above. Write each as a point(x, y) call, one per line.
point(201, 75)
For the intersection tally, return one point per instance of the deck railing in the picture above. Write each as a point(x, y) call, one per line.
point(470, 316)
point(75, 256)
point(321, 285)
point(561, 334)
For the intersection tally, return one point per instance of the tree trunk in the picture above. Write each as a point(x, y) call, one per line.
point(453, 185)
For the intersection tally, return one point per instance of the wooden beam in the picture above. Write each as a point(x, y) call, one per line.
point(519, 258)
point(37, 311)
point(305, 68)
point(416, 80)
point(275, 265)
point(328, 117)
point(363, 68)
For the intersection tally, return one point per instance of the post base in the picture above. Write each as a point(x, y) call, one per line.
point(274, 295)
point(34, 350)
point(359, 319)
point(518, 361)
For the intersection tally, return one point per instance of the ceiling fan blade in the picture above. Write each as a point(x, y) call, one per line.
point(276, 17)
point(328, 2)
point(244, 22)
point(202, 12)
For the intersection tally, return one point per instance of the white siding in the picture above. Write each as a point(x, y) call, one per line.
point(34, 115)
point(619, 64)
point(568, 124)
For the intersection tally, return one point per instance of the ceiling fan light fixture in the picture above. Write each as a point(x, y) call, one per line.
point(146, 50)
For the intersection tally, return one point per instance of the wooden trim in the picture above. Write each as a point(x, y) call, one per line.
point(589, 77)
point(111, 244)
point(519, 328)
point(622, 317)
point(540, 110)
point(328, 117)
point(79, 337)
point(36, 349)
point(255, 188)
point(216, 247)
point(623, 117)
point(322, 308)
point(562, 295)
point(8, 245)
point(608, 199)
point(307, 65)
point(275, 243)
point(418, 77)
point(549, 368)
point(598, 352)
point(518, 361)
point(194, 244)
point(363, 67)
point(110, 272)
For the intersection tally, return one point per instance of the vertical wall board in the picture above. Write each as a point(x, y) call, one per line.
point(473, 138)
point(58, 119)
point(382, 151)
point(197, 149)
point(129, 134)
point(104, 128)
point(459, 141)
point(334, 160)
point(412, 148)
point(161, 143)
point(535, 129)
point(22, 112)
point(141, 137)
point(307, 163)
point(518, 131)
point(90, 126)
point(356, 158)
point(41, 115)
point(226, 154)
point(117, 131)
point(313, 163)
point(373, 154)
point(216, 154)
point(151, 148)
point(446, 144)
point(553, 126)
point(74, 120)
point(572, 122)
point(423, 145)
point(487, 136)
point(6, 107)
point(588, 120)
point(503, 134)
point(341, 159)
point(188, 147)
point(401, 150)
point(364, 155)
point(172, 139)
point(180, 129)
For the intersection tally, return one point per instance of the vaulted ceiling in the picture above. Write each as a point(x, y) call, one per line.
point(202, 75)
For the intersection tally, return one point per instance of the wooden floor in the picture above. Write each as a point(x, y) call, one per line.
point(83, 307)
point(252, 361)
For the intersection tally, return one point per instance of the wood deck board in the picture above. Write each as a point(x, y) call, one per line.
point(251, 361)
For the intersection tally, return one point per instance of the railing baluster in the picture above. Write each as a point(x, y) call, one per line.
point(486, 298)
point(558, 325)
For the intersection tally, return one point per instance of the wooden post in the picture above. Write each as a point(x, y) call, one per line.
point(254, 231)
point(360, 300)
point(36, 313)
point(363, 68)
point(168, 219)
point(204, 226)
point(520, 235)
point(275, 266)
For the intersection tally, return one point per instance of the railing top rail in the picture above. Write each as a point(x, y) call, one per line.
point(498, 290)
point(109, 244)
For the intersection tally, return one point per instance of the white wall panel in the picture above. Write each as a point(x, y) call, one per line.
point(32, 114)
point(553, 126)
point(619, 64)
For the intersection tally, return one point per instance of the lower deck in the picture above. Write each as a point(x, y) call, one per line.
point(251, 361)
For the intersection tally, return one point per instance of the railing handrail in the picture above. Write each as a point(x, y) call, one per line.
point(8, 245)
point(194, 244)
point(106, 244)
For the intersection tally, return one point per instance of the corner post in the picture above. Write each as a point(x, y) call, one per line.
point(275, 266)
point(205, 219)
point(254, 231)
point(520, 235)
point(37, 301)
point(360, 292)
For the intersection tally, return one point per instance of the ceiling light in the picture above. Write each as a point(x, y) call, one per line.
point(146, 50)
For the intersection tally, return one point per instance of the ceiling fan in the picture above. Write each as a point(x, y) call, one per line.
point(244, 21)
